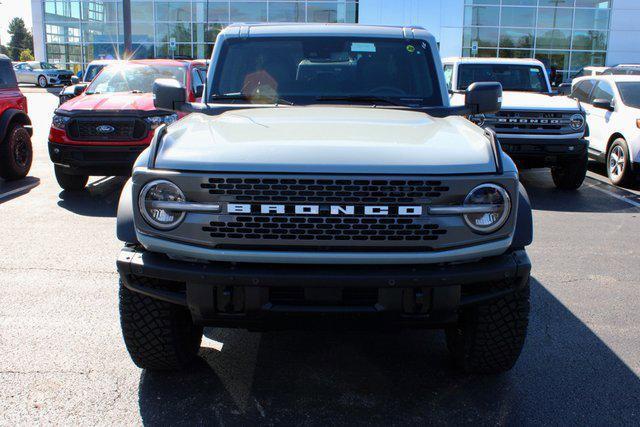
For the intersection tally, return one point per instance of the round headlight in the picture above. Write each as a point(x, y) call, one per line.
point(152, 212)
point(577, 121)
point(477, 119)
point(493, 204)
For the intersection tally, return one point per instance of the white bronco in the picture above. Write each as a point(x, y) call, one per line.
point(535, 126)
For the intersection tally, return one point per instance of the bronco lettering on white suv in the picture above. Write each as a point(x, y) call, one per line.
point(325, 180)
point(535, 127)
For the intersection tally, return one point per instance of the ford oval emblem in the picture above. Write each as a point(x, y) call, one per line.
point(105, 129)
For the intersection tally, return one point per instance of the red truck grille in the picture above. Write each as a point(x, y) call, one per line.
point(108, 129)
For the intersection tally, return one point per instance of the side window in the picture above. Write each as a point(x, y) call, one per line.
point(582, 90)
point(7, 75)
point(196, 79)
point(602, 91)
point(448, 75)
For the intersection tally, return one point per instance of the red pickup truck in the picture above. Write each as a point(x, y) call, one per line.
point(15, 127)
point(104, 129)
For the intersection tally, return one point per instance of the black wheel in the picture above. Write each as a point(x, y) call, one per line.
point(16, 153)
point(570, 176)
point(68, 181)
point(618, 164)
point(489, 338)
point(158, 335)
point(42, 81)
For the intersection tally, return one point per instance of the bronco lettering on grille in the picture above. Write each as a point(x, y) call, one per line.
point(271, 209)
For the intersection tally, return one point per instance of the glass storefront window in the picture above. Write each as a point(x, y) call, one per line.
point(553, 39)
point(177, 10)
point(248, 12)
point(181, 32)
point(588, 19)
point(484, 16)
point(286, 12)
point(589, 40)
point(565, 34)
point(516, 38)
point(555, 18)
point(96, 29)
point(518, 17)
point(482, 37)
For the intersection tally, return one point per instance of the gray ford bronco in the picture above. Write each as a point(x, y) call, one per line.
point(325, 181)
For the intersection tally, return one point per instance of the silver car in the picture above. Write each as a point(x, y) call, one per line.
point(42, 74)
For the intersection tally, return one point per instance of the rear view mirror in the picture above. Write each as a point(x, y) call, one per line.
point(603, 103)
point(199, 91)
point(168, 94)
point(564, 89)
point(483, 98)
point(78, 89)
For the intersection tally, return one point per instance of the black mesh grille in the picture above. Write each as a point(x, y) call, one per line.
point(292, 228)
point(325, 190)
point(123, 129)
point(505, 121)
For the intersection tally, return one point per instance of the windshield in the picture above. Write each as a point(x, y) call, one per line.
point(92, 71)
point(630, 93)
point(43, 65)
point(522, 78)
point(315, 69)
point(134, 77)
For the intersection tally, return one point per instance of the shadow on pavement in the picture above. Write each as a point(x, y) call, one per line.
point(98, 199)
point(566, 375)
point(10, 190)
point(600, 169)
point(545, 196)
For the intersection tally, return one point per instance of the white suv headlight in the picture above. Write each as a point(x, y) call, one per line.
point(150, 203)
point(496, 207)
point(577, 121)
point(155, 121)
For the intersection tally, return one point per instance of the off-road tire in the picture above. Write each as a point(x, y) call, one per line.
point(626, 176)
point(158, 335)
point(40, 80)
point(70, 182)
point(16, 153)
point(570, 176)
point(488, 338)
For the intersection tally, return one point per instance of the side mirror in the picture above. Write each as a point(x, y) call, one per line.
point(168, 94)
point(199, 90)
point(603, 103)
point(78, 89)
point(483, 98)
point(564, 89)
point(75, 80)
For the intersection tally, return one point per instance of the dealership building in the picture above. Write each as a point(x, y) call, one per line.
point(565, 34)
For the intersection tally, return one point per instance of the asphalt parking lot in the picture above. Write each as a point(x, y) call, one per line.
point(62, 359)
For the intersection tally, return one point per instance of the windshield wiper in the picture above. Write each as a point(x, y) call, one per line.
point(361, 98)
point(243, 97)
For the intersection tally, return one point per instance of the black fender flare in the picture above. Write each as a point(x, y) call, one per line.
point(13, 115)
point(523, 234)
point(125, 225)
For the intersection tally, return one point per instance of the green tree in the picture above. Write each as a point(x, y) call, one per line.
point(26, 55)
point(21, 38)
point(4, 50)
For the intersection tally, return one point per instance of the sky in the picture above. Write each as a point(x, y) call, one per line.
point(9, 9)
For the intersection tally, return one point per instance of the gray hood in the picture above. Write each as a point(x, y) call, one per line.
point(325, 140)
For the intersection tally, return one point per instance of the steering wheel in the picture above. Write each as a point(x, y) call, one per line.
point(387, 91)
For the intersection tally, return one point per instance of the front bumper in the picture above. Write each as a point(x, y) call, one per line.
point(59, 80)
point(541, 152)
point(95, 160)
point(274, 296)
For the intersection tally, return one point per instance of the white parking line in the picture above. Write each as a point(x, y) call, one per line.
point(614, 195)
point(19, 190)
